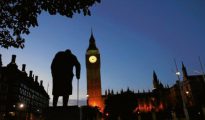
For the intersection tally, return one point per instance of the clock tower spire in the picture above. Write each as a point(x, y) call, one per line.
point(93, 63)
point(92, 45)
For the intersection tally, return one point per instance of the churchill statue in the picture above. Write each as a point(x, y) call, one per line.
point(62, 73)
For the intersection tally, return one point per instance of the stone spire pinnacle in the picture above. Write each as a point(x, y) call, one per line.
point(92, 45)
point(155, 80)
point(185, 75)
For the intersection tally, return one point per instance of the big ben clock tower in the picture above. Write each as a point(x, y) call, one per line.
point(93, 75)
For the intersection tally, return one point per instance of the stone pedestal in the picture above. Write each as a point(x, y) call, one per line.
point(63, 113)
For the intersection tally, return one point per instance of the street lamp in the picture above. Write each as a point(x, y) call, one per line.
point(21, 105)
point(182, 95)
point(178, 73)
point(181, 92)
point(87, 99)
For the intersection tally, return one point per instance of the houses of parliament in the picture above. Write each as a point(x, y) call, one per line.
point(165, 101)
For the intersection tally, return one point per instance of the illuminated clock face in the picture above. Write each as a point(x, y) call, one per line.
point(92, 59)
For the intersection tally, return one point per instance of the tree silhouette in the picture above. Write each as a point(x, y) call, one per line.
point(17, 16)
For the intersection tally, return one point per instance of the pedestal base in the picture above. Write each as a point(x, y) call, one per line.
point(63, 113)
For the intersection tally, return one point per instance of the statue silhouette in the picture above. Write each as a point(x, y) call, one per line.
point(62, 73)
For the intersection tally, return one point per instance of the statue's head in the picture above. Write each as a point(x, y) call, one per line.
point(68, 51)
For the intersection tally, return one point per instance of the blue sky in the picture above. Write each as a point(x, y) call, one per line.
point(134, 37)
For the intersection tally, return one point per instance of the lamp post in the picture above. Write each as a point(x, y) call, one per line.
point(87, 96)
point(203, 75)
point(181, 92)
point(21, 106)
point(202, 69)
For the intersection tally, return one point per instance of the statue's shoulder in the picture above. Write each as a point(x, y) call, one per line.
point(60, 53)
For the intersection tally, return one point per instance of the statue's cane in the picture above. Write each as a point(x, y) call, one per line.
point(77, 91)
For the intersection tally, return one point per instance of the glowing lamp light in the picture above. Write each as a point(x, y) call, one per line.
point(21, 105)
point(187, 92)
point(177, 73)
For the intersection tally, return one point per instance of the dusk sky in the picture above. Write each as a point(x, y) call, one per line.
point(134, 37)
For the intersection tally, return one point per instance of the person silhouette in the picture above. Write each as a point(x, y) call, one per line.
point(62, 73)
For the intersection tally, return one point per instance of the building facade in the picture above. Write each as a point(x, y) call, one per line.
point(164, 101)
point(193, 91)
point(131, 105)
point(21, 95)
point(94, 92)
